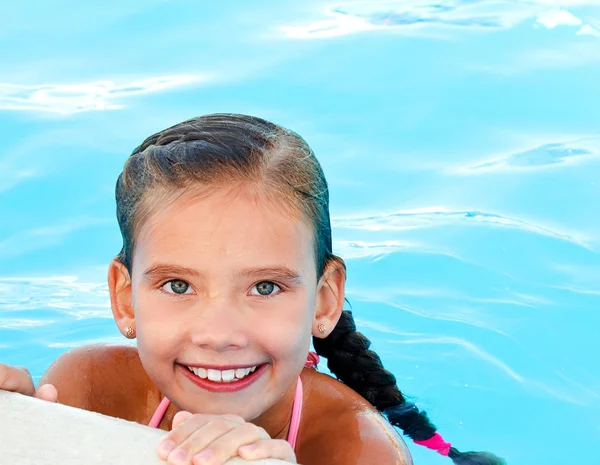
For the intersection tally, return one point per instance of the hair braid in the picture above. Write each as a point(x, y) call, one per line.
point(352, 362)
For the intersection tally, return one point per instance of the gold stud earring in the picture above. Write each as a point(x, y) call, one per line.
point(322, 328)
point(129, 332)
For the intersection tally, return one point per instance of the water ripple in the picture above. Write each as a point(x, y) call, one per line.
point(8, 323)
point(570, 391)
point(543, 156)
point(411, 16)
point(81, 97)
point(64, 294)
point(92, 341)
point(431, 217)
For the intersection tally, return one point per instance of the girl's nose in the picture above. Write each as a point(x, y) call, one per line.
point(218, 325)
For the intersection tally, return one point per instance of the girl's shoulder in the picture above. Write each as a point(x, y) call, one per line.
point(103, 379)
point(340, 426)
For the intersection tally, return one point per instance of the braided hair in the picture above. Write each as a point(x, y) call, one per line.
point(352, 362)
point(219, 148)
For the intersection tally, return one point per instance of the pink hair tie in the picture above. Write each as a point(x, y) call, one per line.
point(436, 443)
point(312, 360)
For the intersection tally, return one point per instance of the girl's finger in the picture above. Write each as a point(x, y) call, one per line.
point(199, 440)
point(226, 446)
point(179, 418)
point(47, 392)
point(190, 425)
point(268, 449)
point(16, 379)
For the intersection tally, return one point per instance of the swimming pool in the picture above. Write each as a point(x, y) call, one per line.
point(462, 149)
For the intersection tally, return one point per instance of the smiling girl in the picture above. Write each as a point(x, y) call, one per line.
point(225, 274)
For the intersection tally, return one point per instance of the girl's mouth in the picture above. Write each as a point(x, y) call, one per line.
point(222, 376)
point(229, 380)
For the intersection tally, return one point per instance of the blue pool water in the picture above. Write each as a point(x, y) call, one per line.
point(461, 144)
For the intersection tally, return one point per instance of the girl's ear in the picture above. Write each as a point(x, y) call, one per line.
point(121, 297)
point(330, 298)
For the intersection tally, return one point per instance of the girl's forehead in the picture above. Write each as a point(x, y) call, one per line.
point(207, 209)
point(226, 221)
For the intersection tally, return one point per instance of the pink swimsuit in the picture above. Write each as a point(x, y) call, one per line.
point(311, 361)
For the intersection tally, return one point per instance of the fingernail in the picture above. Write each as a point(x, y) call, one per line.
point(178, 456)
point(166, 447)
point(202, 457)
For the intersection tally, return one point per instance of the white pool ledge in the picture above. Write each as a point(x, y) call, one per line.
point(34, 432)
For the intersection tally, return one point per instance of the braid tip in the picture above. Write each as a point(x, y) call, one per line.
point(474, 458)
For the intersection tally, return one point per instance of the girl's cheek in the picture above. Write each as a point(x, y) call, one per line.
point(288, 339)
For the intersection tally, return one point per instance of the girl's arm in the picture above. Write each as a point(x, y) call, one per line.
point(73, 375)
point(102, 378)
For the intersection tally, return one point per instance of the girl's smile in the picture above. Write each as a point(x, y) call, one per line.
point(226, 380)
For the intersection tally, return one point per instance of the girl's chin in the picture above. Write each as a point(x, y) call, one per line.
point(247, 409)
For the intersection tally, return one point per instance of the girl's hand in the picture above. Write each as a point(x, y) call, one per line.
point(18, 379)
point(214, 439)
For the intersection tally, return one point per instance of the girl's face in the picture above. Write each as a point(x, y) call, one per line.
point(224, 282)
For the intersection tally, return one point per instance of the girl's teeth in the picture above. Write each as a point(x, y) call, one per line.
point(226, 376)
point(214, 375)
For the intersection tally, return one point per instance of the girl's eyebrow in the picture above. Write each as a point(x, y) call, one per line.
point(280, 272)
point(163, 269)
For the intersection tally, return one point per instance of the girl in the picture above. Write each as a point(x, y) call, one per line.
point(225, 273)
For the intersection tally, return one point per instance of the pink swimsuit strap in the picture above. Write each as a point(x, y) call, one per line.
point(311, 362)
point(159, 413)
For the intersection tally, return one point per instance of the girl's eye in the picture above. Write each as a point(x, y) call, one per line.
point(266, 288)
point(177, 286)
